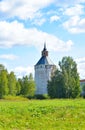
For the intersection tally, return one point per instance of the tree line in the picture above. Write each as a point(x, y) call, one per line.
point(64, 83)
point(10, 85)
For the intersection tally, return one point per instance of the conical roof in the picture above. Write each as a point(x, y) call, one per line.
point(45, 60)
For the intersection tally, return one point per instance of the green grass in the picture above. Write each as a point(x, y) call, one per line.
point(42, 115)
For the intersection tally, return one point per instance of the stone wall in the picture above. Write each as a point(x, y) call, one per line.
point(42, 75)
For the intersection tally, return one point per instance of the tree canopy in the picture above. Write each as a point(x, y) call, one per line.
point(27, 86)
point(65, 83)
point(10, 85)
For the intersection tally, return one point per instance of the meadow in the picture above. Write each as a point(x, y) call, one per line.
point(55, 114)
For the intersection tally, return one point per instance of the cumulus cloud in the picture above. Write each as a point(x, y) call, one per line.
point(8, 56)
point(39, 21)
point(29, 9)
point(75, 24)
point(21, 71)
point(81, 67)
point(22, 9)
point(15, 33)
point(74, 10)
point(66, 3)
point(54, 18)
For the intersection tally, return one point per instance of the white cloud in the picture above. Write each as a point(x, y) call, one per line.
point(21, 71)
point(23, 9)
point(54, 18)
point(39, 21)
point(72, 22)
point(80, 60)
point(8, 56)
point(75, 24)
point(75, 10)
point(28, 9)
point(15, 33)
point(67, 3)
point(81, 70)
point(81, 67)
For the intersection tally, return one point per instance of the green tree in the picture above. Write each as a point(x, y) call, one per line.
point(18, 88)
point(65, 83)
point(20, 81)
point(2, 67)
point(27, 86)
point(3, 83)
point(31, 85)
point(55, 86)
point(12, 83)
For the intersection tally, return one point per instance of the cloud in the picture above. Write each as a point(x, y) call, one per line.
point(81, 67)
point(66, 3)
point(23, 9)
point(21, 71)
point(29, 9)
point(81, 70)
point(74, 10)
point(54, 18)
point(75, 25)
point(81, 60)
point(8, 56)
point(39, 21)
point(15, 33)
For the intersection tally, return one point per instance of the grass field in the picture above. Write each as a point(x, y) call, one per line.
point(42, 115)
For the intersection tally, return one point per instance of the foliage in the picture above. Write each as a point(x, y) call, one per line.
point(55, 86)
point(18, 88)
point(65, 83)
point(3, 83)
point(42, 115)
point(27, 86)
point(41, 96)
point(12, 83)
point(15, 98)
point(2, 67)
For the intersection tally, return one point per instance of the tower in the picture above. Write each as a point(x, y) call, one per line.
point(43, 71)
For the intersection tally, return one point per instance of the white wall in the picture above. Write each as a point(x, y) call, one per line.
point(42, 75)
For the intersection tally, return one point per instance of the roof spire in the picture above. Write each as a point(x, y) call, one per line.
point(45, 52)
point(44, 46)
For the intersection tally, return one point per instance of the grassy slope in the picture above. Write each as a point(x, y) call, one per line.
point(42, 115)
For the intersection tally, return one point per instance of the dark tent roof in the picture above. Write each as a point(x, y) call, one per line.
point(45, 60)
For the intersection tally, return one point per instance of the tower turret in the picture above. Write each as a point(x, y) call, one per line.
point(44, 52)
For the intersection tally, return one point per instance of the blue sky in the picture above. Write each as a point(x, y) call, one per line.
point(25, 26)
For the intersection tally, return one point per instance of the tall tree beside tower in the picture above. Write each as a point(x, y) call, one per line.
point(65, 83)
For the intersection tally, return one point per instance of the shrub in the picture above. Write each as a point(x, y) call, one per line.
point(41, 96)
point(15, 98)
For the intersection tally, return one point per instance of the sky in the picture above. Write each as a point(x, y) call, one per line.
point(25, 25)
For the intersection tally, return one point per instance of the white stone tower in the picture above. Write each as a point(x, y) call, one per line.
point(43, 72)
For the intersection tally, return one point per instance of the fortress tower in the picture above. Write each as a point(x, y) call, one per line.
point(43, 72)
